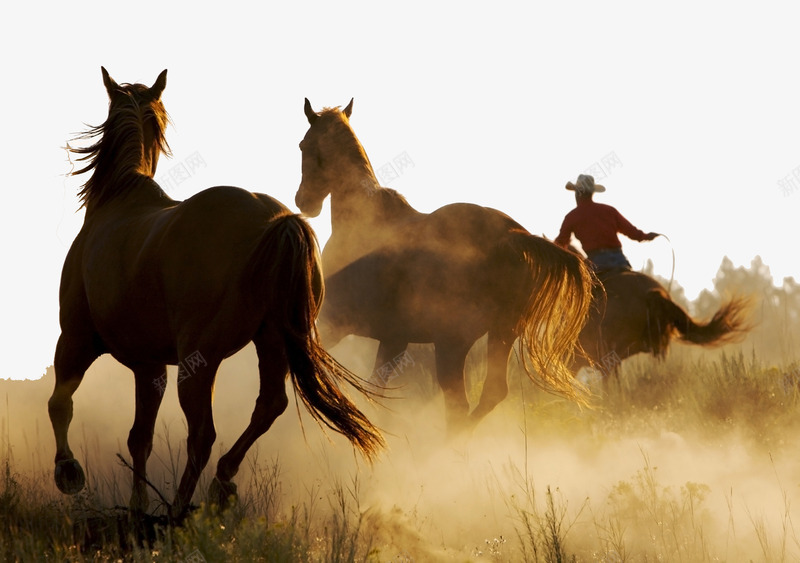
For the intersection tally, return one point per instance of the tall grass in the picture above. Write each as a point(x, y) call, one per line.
point(644, 515)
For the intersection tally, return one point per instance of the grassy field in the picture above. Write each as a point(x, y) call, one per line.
point(689, 459)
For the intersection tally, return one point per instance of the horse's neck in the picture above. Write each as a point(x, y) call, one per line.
point(140, 193)
point(363, 219)
point(365, 206)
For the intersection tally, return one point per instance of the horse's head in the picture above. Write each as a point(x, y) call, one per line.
point(138, 99)
point(131, 139)
point(332, 157)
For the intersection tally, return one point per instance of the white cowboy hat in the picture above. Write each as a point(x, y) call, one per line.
point(585, 184)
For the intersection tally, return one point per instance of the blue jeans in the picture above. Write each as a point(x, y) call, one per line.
point(608, 259)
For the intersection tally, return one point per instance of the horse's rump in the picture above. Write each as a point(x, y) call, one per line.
point(284, 261)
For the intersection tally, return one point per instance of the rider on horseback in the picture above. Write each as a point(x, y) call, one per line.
point(596, 226)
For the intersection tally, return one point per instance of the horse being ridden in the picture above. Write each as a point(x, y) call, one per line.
point(633, 313)
point(154, 281)
point(448, 277)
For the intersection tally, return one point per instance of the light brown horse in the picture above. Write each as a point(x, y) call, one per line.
point(448, 277)
point(635, 314)
point(154, 281)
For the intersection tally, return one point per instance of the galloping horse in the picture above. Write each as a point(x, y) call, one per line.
point(635, 314)
point(154, 281)
point(448, 277)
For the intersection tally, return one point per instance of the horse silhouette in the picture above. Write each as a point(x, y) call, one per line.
point(154, 281)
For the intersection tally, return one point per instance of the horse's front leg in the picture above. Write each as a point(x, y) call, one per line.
point(450, 359)
point(151, 383)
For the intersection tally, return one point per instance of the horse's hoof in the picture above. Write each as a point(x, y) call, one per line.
point(223, 493)
point(69, 476)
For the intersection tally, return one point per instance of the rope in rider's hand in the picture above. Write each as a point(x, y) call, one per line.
point(653, 236)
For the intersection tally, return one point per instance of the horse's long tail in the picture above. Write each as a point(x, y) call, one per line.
point(728, 324)
point(296, 274)
point(554, 314)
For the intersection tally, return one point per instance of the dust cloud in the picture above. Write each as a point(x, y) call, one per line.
point(693, 458)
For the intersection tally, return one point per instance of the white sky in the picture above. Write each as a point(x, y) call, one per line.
point(497, 105)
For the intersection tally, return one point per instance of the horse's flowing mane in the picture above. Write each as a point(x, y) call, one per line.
point(119, 152)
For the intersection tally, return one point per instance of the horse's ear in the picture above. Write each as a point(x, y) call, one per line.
point(158, 87)
point(349, 109)
point(311, 115)
point(110, 84)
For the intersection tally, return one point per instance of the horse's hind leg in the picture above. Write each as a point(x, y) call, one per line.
point(495, 388)
point(151, 383)
point(271, 402)
point(196, 375)
point(73, 357)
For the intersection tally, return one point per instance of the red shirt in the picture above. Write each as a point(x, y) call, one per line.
point(596, 226)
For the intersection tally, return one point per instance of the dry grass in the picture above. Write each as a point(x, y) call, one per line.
point(513, 468)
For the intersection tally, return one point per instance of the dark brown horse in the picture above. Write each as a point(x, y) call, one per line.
point(154, 281)
point(635, 314)
point(448, 277)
